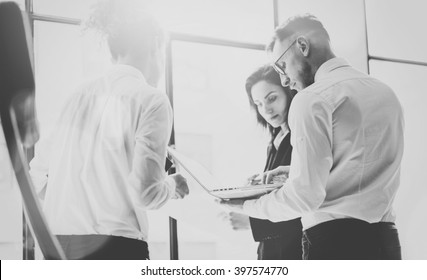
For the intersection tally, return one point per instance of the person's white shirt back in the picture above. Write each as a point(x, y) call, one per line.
point(104, 164)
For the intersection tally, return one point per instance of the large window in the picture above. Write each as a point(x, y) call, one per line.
point(212, 117)
point(64, 57)
point(213, 125)
point(77, 9)
point(215, 45)
point(396, 29)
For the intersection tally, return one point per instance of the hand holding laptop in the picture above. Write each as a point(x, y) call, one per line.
point(181, 189)
point(275, 176)
point(223, 191)
point(237, 221)
point(278, 175)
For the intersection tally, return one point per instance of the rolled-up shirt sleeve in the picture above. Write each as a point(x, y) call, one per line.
point(310, 121)
point(148, 178)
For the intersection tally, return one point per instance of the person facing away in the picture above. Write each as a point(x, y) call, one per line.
point(347, 139)
point(271, 102)
point(105, 165)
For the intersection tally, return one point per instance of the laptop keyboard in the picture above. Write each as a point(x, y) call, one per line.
point(224, 189)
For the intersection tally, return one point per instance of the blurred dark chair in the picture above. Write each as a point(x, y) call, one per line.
point(18, 118)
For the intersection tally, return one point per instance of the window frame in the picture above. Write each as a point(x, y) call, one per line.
point(28, 239)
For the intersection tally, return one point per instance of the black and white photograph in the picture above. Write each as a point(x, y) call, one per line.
point(212, 130)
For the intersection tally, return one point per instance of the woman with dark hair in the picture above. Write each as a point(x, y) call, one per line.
point(271, 101)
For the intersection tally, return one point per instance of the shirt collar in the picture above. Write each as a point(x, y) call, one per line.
point(329, 66)
point(120, 70)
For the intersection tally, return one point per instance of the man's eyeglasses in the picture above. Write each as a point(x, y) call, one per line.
point(279, 68)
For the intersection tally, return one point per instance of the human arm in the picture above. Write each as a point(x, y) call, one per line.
point(310, 121)
point(181, 189)
point(147, 178)
point(237, 221)
point(281, 172)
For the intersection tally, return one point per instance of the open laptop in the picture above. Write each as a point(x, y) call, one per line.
point(210, 185)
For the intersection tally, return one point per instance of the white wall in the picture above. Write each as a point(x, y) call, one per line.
point(397, 29)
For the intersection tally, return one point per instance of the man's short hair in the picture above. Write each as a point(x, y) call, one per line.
point(300, 24)
point(125, 24)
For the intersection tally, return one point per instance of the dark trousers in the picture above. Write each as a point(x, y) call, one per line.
point(351, 239)
point(388, 238)
point(282, 248)
point(103, 247)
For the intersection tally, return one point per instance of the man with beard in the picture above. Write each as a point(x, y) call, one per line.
point(347, 138)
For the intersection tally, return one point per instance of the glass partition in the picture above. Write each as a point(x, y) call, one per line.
point(64, 8)
point(214, 126)
point(397, 29)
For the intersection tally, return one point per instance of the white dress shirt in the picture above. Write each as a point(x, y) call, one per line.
point(104, 165)
point(347, 139)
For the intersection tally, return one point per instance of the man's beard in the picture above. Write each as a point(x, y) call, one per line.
point(306, 74)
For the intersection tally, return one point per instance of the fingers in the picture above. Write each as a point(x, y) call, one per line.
point(233, 204)
point(221, 201)
point(253, 177)
point(269, 178)
point(279, 171)
point(181, 187)
point(239, 221)
point(180, 193)
point(252, 180)
point(185, 190)
point(224, 216)
point(264, 177)
point(177, 195)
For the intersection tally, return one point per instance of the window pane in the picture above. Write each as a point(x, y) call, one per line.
point(65, 8)
point(240, 20)
point(214, 126)
point(63, 59)
point(397, 29)
point(411, 201)
point(344, 21)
